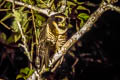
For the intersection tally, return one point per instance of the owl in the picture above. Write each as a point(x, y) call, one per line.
point(52, 38)
point(56, 30)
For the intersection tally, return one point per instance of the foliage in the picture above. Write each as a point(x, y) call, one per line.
point(83, 17)
point(32, 22)
point(24, 73)
point(22, 22)
point(21, 15)
point(74, 8)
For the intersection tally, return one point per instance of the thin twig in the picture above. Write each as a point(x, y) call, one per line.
point(34, 27)
point(6, 26)
point(33, 19)
point(2, 4)
point(4, 10)
point(32, 49)
point(13, 5)
point(57, 64)
point(88, 3)
point(115, 8)
point(24, 41)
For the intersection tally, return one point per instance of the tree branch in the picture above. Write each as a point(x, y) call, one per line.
point(88, 25)
point(47, 12)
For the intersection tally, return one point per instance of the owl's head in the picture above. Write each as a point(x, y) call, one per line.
point(57, 23)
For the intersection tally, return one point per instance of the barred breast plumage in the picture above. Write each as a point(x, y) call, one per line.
point(52, 37)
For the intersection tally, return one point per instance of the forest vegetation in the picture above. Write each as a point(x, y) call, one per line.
point(59, 39)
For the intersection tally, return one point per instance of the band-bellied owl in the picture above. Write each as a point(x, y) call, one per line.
point(52, 37)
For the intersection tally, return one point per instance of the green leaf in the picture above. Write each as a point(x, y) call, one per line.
point(10, 39)
point(21, 9)
point(17, 15)
point(66, 12)
point(25, 70)
point(83, 16)
point(39, 19)
point(25, 27)
point(37, 33)
point(0, 0)
point(83, 8)
point(25, 24)
point(53, 7)
point(38, 1)
point(70, 26)
point(75, 0)
point(25, 1)
point(21, 17)
point(29, 31)
point(30, 73)
point(25, 73)
point(69, 3)
point(70, 10)
point(47, 69)
point(3, 36)
point(39, 22)
point(17, 37)
point(15, 26)
point(42, 6)
point(19, 76)
point(81, 23)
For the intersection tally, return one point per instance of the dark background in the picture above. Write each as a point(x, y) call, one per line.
point(107, 32)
